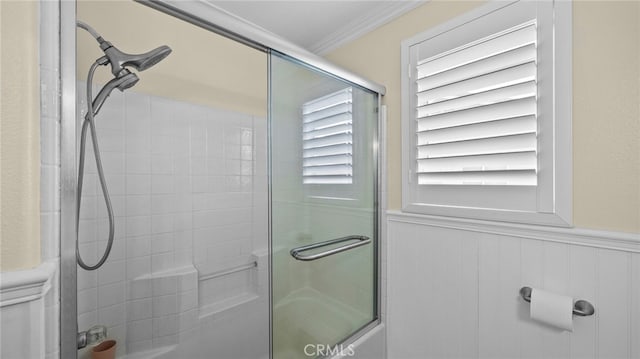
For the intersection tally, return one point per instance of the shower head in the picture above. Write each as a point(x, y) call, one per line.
point(123, 81)
point(119, 60)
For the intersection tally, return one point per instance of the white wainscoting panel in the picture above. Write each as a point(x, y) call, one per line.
point(454, 293)
point(22, 311)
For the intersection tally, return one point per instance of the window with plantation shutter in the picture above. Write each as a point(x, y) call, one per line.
point(476, 112)
point(486, 115)
point(327, 139)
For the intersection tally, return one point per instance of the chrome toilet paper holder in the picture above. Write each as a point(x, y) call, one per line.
point(581, 307)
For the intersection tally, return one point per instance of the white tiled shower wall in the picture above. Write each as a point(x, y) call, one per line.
point(188, 187)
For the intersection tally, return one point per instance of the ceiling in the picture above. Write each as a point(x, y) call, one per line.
point(318, 26)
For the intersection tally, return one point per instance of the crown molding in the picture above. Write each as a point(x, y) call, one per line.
point(370, 21)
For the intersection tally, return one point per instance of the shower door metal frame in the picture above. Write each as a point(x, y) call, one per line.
point(68, 182)
point(211, 18)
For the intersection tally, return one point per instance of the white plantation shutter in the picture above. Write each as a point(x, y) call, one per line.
point(327, 139)
point(476, 112)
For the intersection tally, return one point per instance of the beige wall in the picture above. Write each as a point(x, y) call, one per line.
point(606, 110)
point(19, 139)
point(204, 68)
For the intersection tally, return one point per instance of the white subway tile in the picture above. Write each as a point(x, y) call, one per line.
point(87, 320)
point(112, 316)
point(183, 239)
point(184, 203)
point(198, 166)
point(139, 309)
point(165, 305)
point(137, 112)
point(200, 184)
point(138, 163)
point(182, 257)
point(161, 145)
point(246, 168)
point(87, 230)
point(102, 231)
point(138, 246)
point(182, 221)
point(111, 294)
point(138, 184)
point(232, 167)
point(166, 340)
point(88, 208)
point(216, 184)
point(138, 205)
point(139, 330)
point(87, 300)
point(198, 147)
point(188, 300)
point(232, 135)
point(139, 143)
point(161, 223)
point(115, 183)
point(162, 184)
point(167, 325)
point(88, 252)
point(162, 243)
point(138, 289)
point(181, 165)
point(165, 285)
point(246, 153)
point(111, 141)
point(111, 272)
point(161, 262)
point(139, 346)
point(216, 166)
point(188, 282)
point(138, 226)
point(138, 266)
point(161, 164)
point(162, 203)
point(87, 279)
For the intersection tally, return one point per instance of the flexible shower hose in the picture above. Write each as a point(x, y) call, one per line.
point(90, 123)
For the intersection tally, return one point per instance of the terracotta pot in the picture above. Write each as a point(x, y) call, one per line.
point(104, 350)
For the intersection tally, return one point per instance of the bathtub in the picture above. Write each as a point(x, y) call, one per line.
point(308, 317)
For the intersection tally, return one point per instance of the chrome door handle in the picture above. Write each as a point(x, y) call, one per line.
point(361, 241)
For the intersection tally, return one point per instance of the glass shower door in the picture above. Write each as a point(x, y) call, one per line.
point(323, 210)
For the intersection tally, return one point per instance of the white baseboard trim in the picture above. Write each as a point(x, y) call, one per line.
point(628, 242)
point(26, 285)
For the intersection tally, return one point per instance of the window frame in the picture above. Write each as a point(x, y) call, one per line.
point(551, 204)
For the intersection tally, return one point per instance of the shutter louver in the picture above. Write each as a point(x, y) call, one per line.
point(476, 112)
point(327, 139)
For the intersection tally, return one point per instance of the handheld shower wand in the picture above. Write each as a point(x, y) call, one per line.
point(123, 79)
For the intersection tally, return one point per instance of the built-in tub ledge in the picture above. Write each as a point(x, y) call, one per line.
point(170, 272)
point(26, 285)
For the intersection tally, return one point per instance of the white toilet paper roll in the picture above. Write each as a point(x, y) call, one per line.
point(553, 309)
